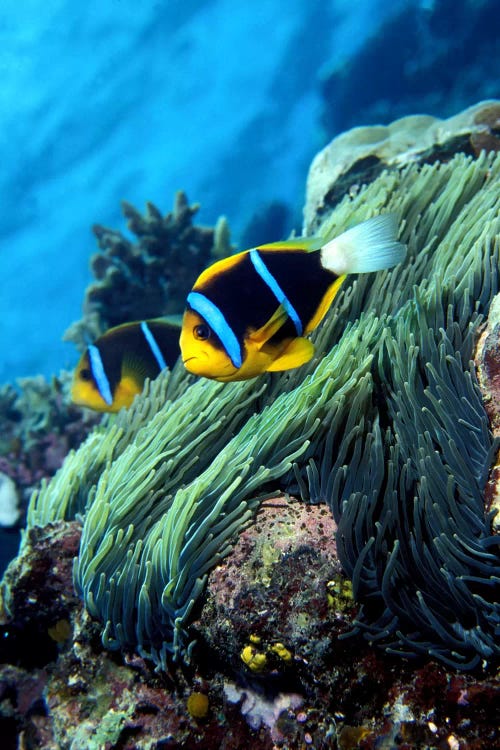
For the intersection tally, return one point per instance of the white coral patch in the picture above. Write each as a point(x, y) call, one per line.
point(9, 501)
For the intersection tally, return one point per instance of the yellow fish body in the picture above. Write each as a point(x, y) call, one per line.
point(249, 313)
point(112, 370)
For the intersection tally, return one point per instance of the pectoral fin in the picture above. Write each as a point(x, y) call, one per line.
point(297, 353)
point(135, 369)
point(262, 335)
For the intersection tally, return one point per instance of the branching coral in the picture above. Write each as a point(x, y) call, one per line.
point(387, 414)
point(151, 277)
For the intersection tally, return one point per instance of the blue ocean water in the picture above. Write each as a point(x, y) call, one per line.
point(123, 100)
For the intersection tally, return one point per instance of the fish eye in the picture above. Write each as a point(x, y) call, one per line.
point(85, 374)
point(201, 332)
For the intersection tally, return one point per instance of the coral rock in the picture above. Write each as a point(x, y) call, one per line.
point(37, 591)
point(268, 609)
point(359, 155)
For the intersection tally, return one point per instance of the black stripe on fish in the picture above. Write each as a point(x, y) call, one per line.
point(247, 301)
point(126, 348)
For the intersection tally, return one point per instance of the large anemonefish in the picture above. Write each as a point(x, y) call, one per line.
point(249, 313)
point(112, 370)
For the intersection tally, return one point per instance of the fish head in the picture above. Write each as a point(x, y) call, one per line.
point(202, 352)
point(84, 388)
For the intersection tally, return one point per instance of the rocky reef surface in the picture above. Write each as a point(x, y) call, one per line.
point(231, 622)
point(270, 660)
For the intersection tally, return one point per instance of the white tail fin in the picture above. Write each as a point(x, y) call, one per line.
point(369, 246)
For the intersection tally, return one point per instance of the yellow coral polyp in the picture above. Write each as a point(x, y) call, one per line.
point(339, 593)
point(255, 660)
point(282, 652)
point(197, 705)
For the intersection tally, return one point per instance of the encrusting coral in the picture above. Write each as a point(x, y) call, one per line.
point(386, 421)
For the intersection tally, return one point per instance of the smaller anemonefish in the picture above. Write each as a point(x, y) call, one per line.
point(249, 313)
point(112, 370)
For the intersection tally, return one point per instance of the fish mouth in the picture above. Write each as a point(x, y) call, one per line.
point(187, 360)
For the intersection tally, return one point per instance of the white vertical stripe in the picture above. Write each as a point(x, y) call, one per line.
point(99, 374)
point(153, 345)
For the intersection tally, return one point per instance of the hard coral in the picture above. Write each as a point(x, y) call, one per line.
point(151, 277)
point(358, 156)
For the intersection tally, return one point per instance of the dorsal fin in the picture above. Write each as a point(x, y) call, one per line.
point(308, 244)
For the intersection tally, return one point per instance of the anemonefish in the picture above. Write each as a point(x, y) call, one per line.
point(112, 370)
point(249, 313)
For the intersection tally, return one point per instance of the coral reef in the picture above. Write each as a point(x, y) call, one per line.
point(59, 692)
point(139, 519)
point(272, 605)
point(386, 424)
point(36, 587)
point(38, 426)
point(151, 277)
point(148, 543)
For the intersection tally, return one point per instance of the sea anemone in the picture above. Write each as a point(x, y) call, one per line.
point(386, 423)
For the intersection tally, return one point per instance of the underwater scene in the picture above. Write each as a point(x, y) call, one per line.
point(250, 384)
